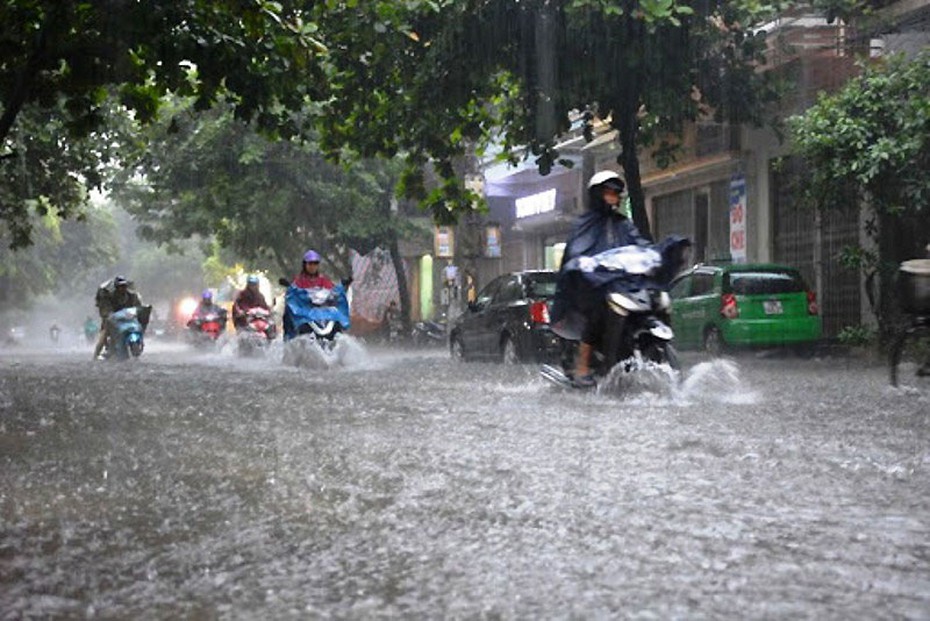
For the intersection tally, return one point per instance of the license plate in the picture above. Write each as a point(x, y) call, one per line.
point(772, 307)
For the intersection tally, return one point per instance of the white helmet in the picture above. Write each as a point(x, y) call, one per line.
point(607, 178)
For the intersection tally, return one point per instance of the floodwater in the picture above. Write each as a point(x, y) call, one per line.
point(192, 485)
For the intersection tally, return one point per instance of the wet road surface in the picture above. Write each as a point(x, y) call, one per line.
point(193, 486)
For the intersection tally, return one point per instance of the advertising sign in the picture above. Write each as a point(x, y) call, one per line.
point(738, 218)
point(444, 242)
point(535, 204)
point(492, 242)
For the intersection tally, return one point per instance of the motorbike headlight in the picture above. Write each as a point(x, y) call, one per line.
point(621, 304)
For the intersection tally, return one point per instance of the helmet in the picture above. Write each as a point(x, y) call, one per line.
point(251, 280)
point(311, 256)
point(120, 281)
point(607, 179)
point(207, 294)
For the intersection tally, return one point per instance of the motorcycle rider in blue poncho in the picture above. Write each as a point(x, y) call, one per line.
point(578, 310)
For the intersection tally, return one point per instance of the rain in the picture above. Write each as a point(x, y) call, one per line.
point(449, 403)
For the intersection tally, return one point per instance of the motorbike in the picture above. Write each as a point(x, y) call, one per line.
point(206, 329)
point(315, 321)
point(428, 333)
point(126, 329)
point(257, 331)
point(631, 282)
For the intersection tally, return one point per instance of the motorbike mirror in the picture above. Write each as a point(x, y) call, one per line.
point(284, 282)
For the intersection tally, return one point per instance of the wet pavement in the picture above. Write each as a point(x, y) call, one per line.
point(187, 485)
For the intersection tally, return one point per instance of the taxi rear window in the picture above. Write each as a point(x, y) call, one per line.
point(764, 282)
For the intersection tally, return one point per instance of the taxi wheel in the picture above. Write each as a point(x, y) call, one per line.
point(509, 351)
point(456, 350)
point(713, 341)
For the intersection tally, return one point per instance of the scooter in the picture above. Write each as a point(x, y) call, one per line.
point(632, 281)
point(206, 329)
point(315, 321)
point(126, 332)
point(428, 333)
point(257, 332)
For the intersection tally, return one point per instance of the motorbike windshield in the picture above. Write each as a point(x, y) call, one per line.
point(320, 296)
point(629, 259)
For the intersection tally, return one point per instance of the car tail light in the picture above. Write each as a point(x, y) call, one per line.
point(812, 308)
point(539, 312)
point(728, 307)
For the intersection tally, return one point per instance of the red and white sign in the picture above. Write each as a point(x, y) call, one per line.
point(738, 219)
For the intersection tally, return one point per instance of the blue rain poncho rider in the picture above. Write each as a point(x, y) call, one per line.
point(577, 310)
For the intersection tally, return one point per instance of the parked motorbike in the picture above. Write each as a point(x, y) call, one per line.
point(632, 281)
point(206, 329)
point(315, 321)
point(426, 333)
point(126, 328)
point(257, 331)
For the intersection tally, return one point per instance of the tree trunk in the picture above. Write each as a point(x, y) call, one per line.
point(402, 287)
point(626, 114)
point(629, 159)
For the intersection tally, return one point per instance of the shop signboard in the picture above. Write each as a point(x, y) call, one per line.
point(444, 242)
point(738, 218)
point(492, 241)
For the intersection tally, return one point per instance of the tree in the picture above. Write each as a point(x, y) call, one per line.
point(426, 79)
point(64, 256)
point(48, 170)
point(452, 74)
point(870, 142)
point(267, 201)
point(63, 61)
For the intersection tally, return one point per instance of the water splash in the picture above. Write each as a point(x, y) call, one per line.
point(717, 381)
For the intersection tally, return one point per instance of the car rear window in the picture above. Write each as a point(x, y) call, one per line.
point(765, 282)
point(540, 285)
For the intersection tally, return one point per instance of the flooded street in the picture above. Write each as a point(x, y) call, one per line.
point(190, 486)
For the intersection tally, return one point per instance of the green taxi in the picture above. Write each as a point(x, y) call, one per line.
point(715, 306)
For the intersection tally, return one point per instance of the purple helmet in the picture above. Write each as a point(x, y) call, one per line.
point(311, 256)
point(207, 294)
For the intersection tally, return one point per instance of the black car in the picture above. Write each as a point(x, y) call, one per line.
point(509, 321)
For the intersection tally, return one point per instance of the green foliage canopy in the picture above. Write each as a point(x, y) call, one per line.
point(871, 139)
point(446, 75)
point(205, 174)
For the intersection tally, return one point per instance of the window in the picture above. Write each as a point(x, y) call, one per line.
point(765, 283)
point(540, 285)
point(681, 287)
point(486, 294)
point(703, 283)
point(511, 290)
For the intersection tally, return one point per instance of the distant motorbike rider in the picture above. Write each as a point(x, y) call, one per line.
point(112, 296)
point(247, 299)
point(90, 329)
point(578, 311)
point(206, 307)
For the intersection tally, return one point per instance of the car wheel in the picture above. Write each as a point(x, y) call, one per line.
point(456, 350)
point(509, 351)
point(713, 341)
